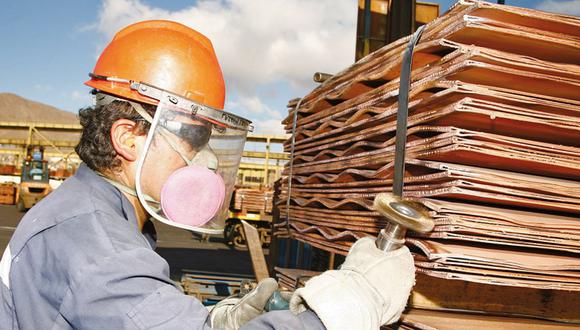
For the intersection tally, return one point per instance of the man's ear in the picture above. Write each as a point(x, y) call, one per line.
point(123, 139)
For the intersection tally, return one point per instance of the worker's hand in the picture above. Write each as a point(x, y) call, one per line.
point(232, 313)
point(370, 289)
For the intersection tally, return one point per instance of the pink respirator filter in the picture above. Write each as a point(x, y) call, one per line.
point(192, 195)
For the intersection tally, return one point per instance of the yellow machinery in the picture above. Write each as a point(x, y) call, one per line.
point(234, 232)
point(34, 179)
point(252, 199)
point(253, 205)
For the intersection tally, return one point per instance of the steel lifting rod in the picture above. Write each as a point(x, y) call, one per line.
point(402, 215)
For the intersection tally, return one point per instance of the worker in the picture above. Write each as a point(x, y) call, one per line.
point(36, 169)
point(158, 144)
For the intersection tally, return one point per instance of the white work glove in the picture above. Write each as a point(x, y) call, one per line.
point(370, 289)
point(231, 313)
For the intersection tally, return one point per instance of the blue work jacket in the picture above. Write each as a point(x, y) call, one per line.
point(78, 260)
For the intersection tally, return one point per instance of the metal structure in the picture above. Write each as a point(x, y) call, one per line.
point(381, 22)
point(252, 200)
point(210, 288)
point(262, 173)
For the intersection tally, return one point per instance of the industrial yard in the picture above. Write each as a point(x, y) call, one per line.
point(451, 144)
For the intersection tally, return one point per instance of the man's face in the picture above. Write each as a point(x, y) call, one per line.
point(179, 139)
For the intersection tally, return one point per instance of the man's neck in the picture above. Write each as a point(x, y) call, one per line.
point(140, 211)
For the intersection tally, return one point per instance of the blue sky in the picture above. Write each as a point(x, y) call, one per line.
point(48, 47)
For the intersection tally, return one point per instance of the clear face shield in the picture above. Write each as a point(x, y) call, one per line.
point(188, 168)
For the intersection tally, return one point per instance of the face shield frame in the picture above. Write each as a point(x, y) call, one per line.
point(221, 125)
point(215, 116)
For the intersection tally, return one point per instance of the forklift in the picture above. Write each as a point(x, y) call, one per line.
point(34, 179)
point(257, 213)
point(234, 234)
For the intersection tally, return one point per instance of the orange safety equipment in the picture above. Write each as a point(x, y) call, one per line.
point(164, 54)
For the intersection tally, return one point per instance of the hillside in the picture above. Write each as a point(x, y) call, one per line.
point(17, 108)
point(14, 108)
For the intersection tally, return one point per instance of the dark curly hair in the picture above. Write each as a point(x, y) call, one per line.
point(95, 148)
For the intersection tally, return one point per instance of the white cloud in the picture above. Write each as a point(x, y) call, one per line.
point(264, 119)
point(252, 105)
point(269, 127)
point(258, 41)
point(570, 7)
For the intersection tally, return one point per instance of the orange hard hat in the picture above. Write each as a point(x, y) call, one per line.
point(164, 54)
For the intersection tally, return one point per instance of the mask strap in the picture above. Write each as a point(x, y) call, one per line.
point(139, 108)
point(174, 147)
point(206, 158)
point(126, 189)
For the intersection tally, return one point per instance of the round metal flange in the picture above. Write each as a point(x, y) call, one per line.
point(408, 214)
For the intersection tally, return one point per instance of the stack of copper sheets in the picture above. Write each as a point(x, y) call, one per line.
point(416, 319)
point(493, 148)
point(291, 279)
point(253, 200)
